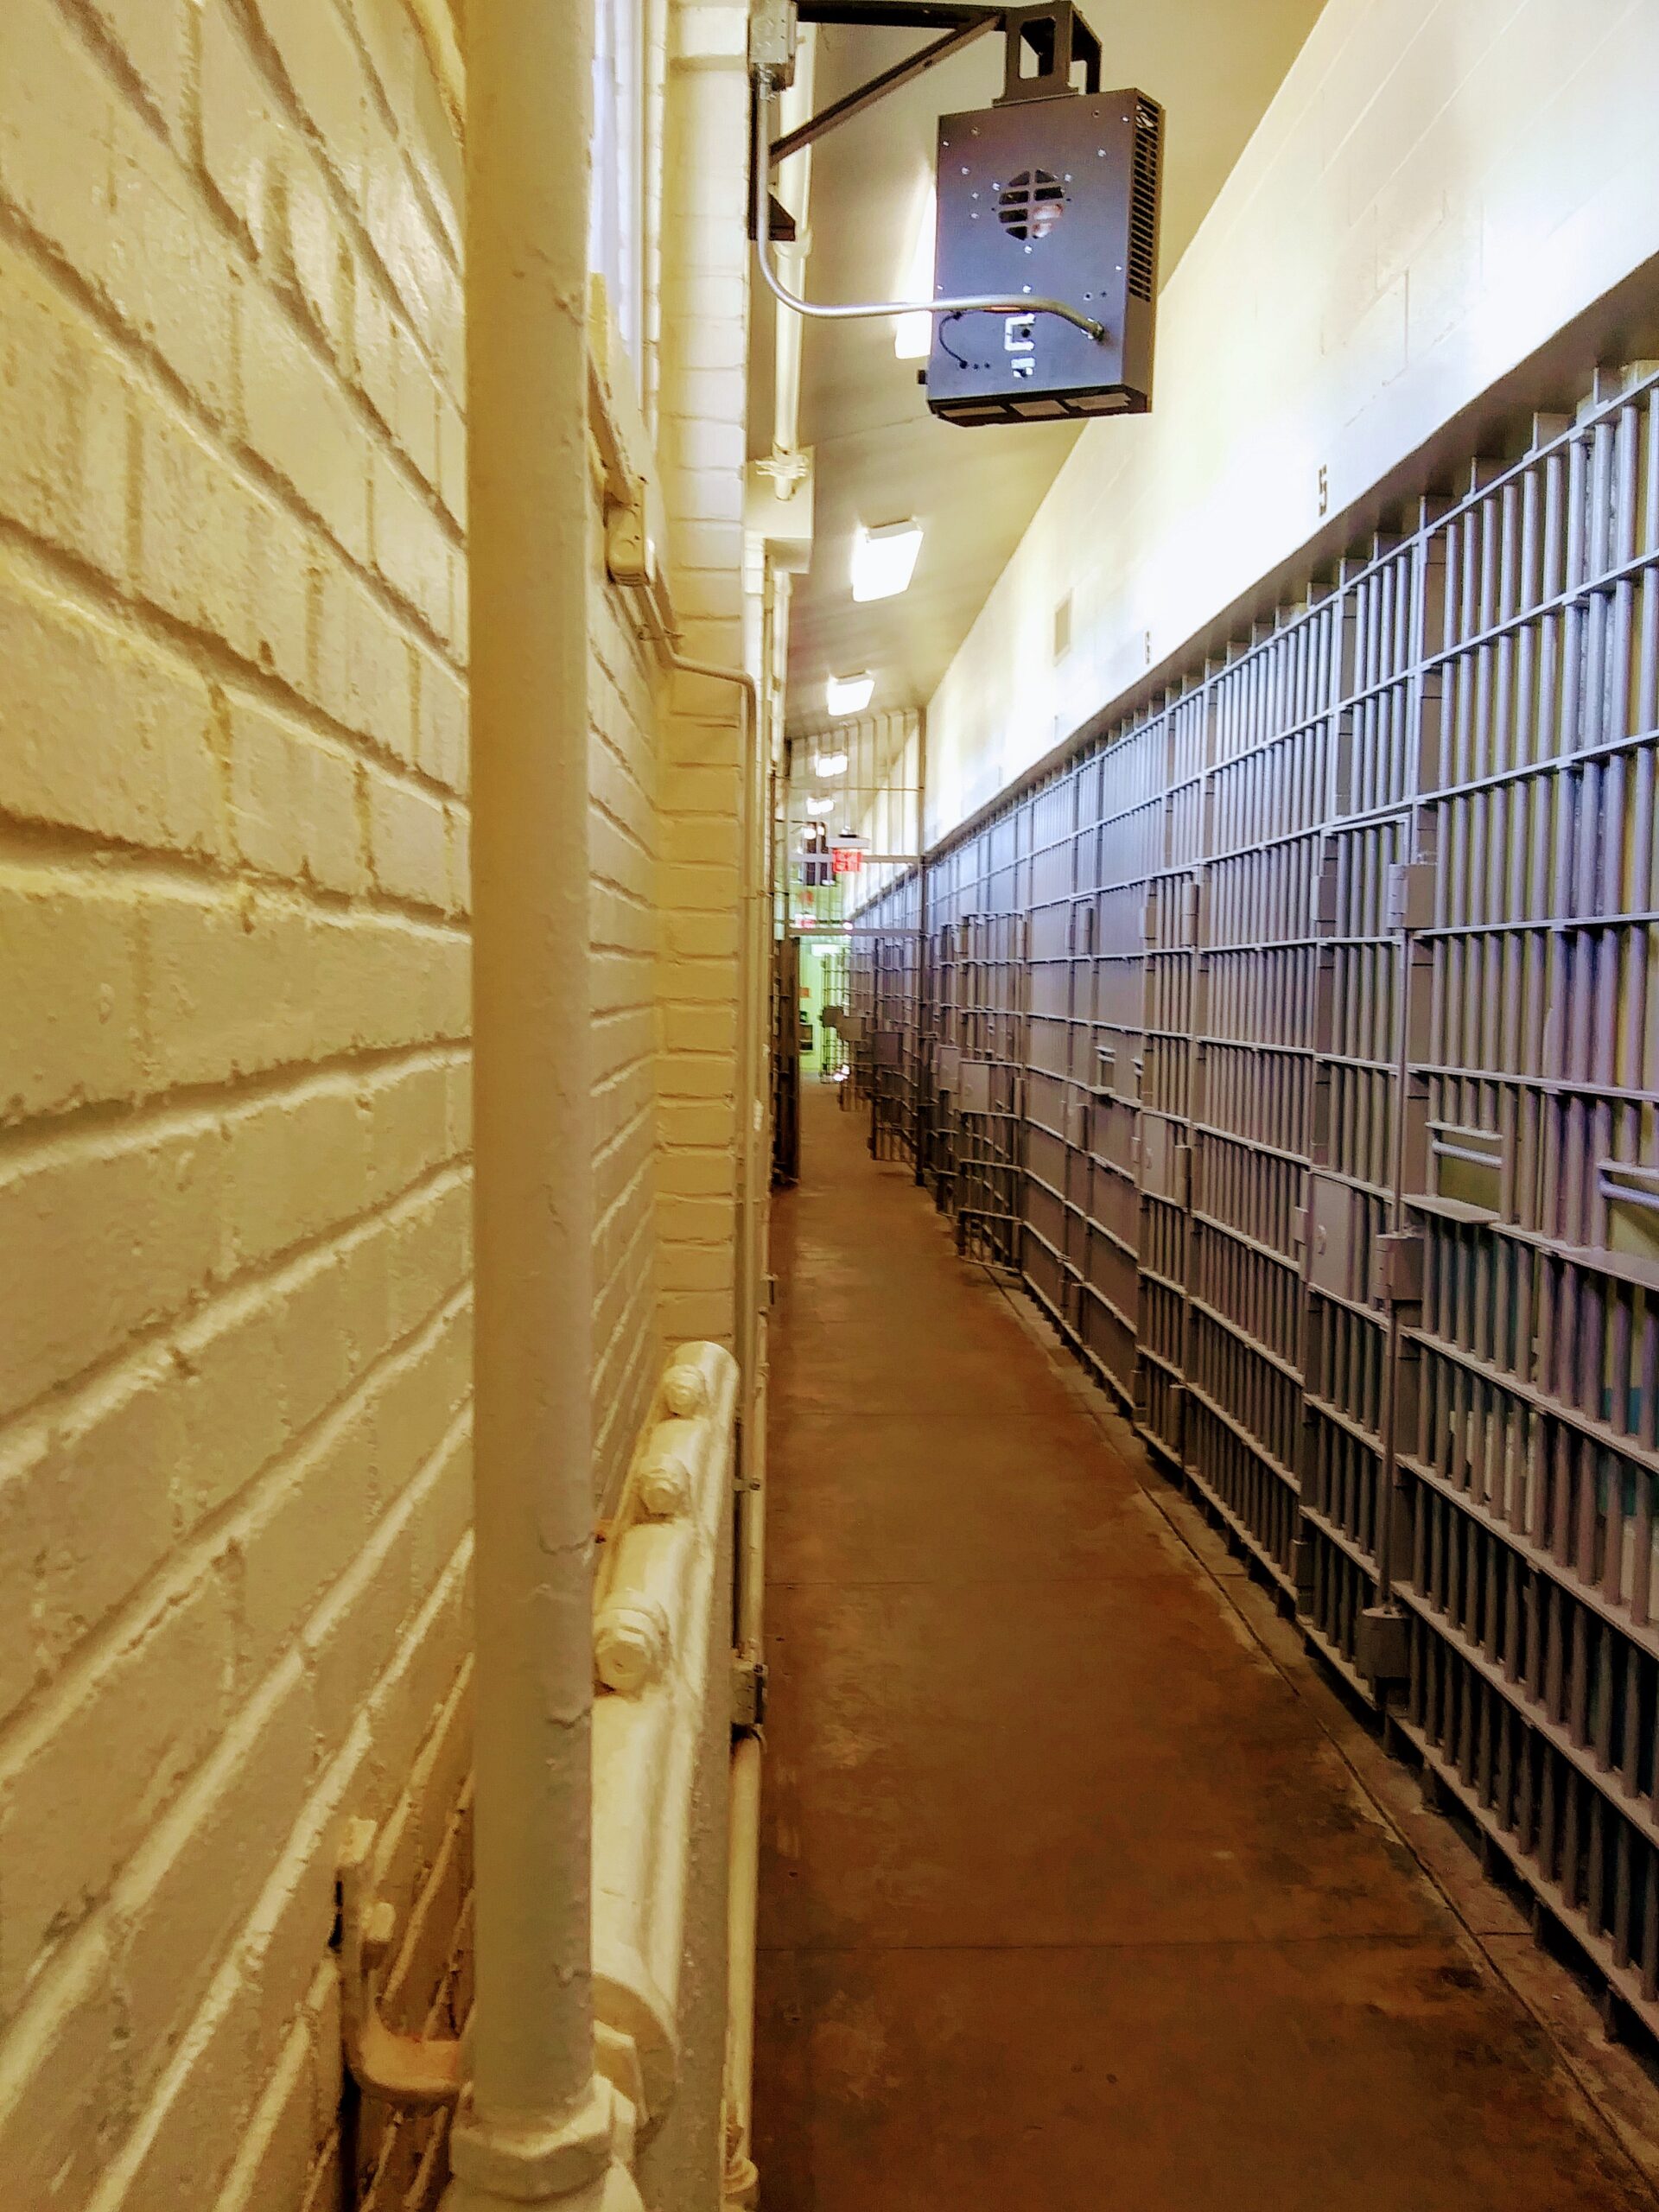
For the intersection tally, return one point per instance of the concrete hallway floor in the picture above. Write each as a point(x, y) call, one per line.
point(1068, 1900)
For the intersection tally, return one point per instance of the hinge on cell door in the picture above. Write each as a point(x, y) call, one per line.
point(1323, 915)
point(1302, 1562)
point(1383, 1644)
point(1397, 1267)
point(1181, 1175)
point(1411, 895)
point(1191, 910)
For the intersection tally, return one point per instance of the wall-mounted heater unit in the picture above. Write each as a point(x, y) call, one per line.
point(1045, 262)
point(1052, 191)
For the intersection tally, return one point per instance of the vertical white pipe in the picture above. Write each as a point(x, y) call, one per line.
point(743, 1900)
point(755, 1155)
point(794, 184)
point(529, 66)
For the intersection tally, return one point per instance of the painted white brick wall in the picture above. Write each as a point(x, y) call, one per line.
point(625, 841)
point(234, 1112)
point(701, 444)
point(234, 1090)
point(1440, 185)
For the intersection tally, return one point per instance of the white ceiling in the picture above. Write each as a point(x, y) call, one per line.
point(879, 456)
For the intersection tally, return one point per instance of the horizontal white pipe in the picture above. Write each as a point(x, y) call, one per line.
point(655, 1629)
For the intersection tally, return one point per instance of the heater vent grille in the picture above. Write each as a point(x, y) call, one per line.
point(1143, 200)
point(1031, 204)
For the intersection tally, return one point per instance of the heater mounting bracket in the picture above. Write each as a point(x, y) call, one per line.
point(1059, 36)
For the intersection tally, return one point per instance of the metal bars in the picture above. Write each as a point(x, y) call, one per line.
point(1299, 1044)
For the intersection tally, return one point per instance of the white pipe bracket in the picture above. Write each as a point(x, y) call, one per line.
point(413, 2072)
point(749, 1681)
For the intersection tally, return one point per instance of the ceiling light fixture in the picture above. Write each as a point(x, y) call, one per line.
point(849, 694)
point(884, 559)
point(829, 764)
point(820, 805)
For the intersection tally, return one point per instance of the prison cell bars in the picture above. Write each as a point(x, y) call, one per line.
point(1299, 1045)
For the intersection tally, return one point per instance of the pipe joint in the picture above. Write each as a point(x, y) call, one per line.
point(507, 2161)
point(667, 1474)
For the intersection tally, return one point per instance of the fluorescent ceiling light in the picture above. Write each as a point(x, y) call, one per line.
point(849, 694)
point(820, 805)
point(884, 559)
point(912, 334)
point(829, 764)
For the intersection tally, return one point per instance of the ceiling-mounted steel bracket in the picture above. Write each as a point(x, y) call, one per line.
point(965, 25)
point(1052, 35)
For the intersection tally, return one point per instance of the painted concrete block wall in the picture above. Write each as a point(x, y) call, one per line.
point(1439, 186)
point(234, 887)
point(234, 1092)
point(701, 443)
point(624, 842)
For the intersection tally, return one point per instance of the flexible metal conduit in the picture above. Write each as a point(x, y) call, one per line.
point(855, 310)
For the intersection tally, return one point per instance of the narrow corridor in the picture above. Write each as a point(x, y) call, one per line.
point(1067, 1899)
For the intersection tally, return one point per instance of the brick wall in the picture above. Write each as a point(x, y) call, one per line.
point(625, 841)
point(233, 1090)
point(701, 437)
